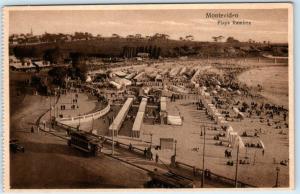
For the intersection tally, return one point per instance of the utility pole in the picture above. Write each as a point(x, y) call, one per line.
point(79, 119)
point(50, 111)
point(254, 158)
point(175, 150)
point(151, 134)
point(113, 142)
point(203, 159)
point(93, 124)
point(236, 166)
point(277, 176)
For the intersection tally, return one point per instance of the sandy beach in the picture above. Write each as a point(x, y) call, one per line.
point(274, 81)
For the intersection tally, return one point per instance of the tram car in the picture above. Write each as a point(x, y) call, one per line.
point(168, 180)
point(86, 142)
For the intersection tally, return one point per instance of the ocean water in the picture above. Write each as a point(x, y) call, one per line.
point(274, 80)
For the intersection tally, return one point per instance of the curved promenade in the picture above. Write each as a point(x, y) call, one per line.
point(86, 117)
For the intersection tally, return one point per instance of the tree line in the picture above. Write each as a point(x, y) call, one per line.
point(153, 51)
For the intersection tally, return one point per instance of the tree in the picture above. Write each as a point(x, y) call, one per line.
point(39, 84)
point(165, 36)
point(230, 39)
point(58, 75)
point(150, 50)
point(218, 38)
point(215, 38)
point(53, 55)
point(138, 36)
point(158, 36)
point(189, 37)
point(79, 68)
point(116, 35)
point(99, 36)
point(157, 54)
point(153, 53)
point(125, 48)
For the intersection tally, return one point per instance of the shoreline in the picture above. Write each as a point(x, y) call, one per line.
point(275, 91)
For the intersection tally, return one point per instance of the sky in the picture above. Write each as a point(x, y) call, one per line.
point(266, 25)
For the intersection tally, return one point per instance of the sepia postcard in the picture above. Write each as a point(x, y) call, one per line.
point(166, 96)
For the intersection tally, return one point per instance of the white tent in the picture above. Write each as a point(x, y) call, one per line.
point(174, 120)
point(239, 142)
point(88, 79)
point(158, 77)
point(139, 118)
point(214, 92)
point(163, 104)
point(165, 71)
point(224, 123)
point(117, 122)
point(232, 137)
point(125, 82)
point(139, 76)
point(120, 73)
point(217, 114)
point(174, 71)
point(262, 144)
point(229, 130)
point(130, 76)
point(241, 115)
point(146, 90)
point(178, 89)
point(118, 86)
point(219, 119)
point(236, 110)
point(183, 70)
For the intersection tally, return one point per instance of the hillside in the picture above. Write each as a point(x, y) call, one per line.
point(121, 47)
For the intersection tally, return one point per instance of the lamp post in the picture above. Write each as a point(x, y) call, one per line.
point(50, 112)
point(237, 165)
point(254, 158)
point(93, 124)
point(113, 141)
point(175, 150)
point(203, 158)
point(151, 134)
point(277, 176)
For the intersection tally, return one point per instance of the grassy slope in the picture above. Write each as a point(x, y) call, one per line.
point(114, 47)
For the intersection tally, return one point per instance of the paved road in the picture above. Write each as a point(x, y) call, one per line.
point(138, 160)
point(49, 163)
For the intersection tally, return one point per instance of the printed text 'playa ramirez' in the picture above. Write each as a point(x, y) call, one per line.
point(227, 19)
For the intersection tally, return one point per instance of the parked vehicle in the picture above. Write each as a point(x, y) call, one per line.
point(15, 146)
